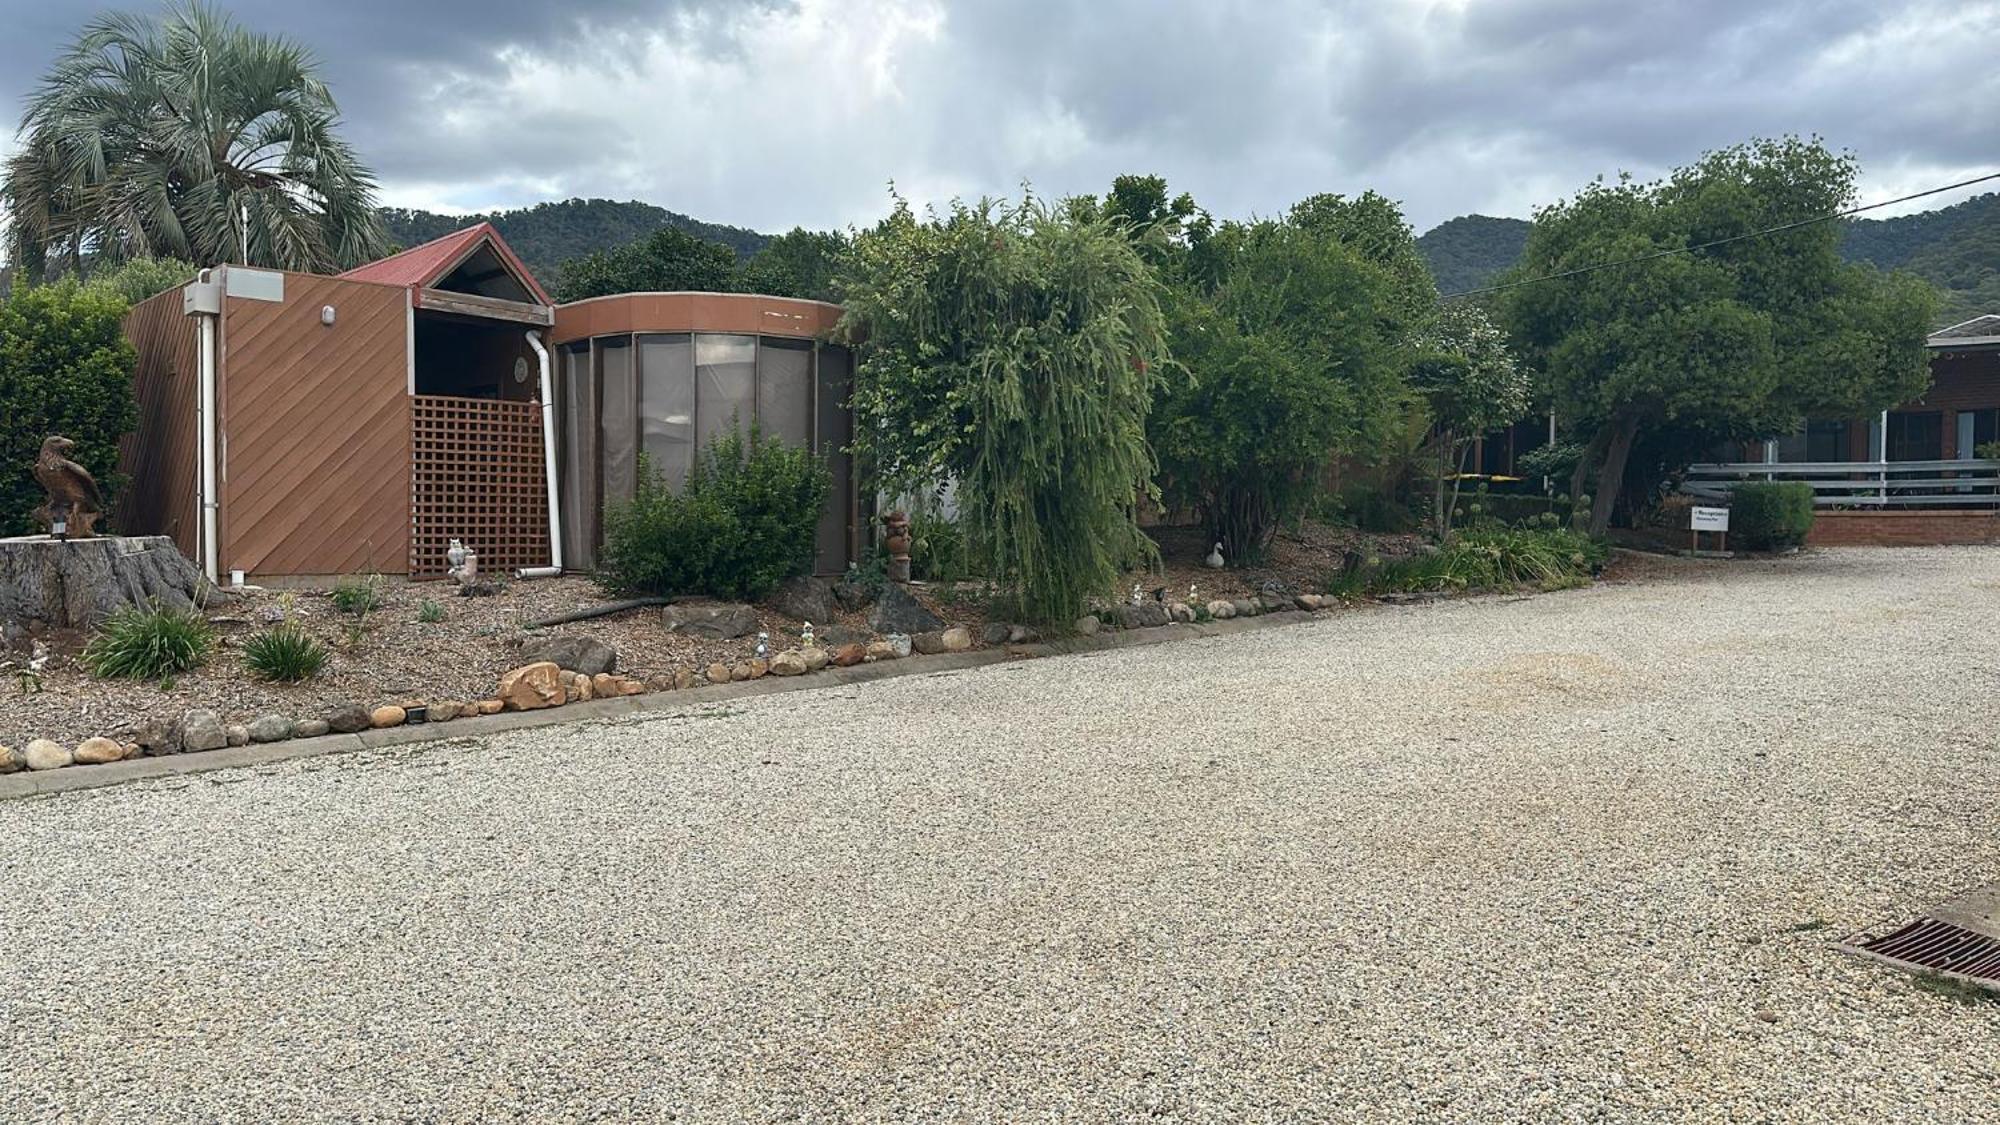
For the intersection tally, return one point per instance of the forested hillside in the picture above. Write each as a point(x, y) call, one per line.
point(549, 234)
point(1955, 248)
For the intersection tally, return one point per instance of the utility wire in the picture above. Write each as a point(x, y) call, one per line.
point(1718, 242)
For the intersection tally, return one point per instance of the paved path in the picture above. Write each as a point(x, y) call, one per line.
point(1579, 857)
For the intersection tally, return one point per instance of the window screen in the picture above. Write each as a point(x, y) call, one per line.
point(725, 369)
point(833, 433)
point(1916, 437)
point(666, 405)
point(617, 406)
point(579, 460)
point(784, 390)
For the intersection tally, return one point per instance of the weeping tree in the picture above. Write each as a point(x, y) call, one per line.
point(187, 136)
point(1014, 349)
point(1472, 385)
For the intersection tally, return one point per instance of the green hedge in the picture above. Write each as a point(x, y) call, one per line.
point(1770, 515)
point(65, 368)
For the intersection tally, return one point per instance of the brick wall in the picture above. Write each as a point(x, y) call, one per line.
point(1904, 529)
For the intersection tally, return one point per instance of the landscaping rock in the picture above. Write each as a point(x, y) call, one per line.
point(899, 644)
point(740, 673)
point(848, 655)
point(1023, 634)
point(130, 750)
point(1181, 612)
point(155, 737)
point(880, 650)
point(683, 679)
point(805, 599)
point(236, 734)
point(12, 760)
point(387, 715)
point(631, 687)
point(347, 719)
point(1246, 607)
point(201, 730)
point(41, 754)
point(928, 644)
point(995, 633)
point(1309, 602)
point(310, 728)
point(572, 652)
point(98, 751)
point(270, 728)
point(715, 622)
point(604, 685)
point(444, 711)
point(490, 706)
point(759, 668)
point(577, 688)
point(833, 636)
point(1221, 610)
point(958, 638)
point(1087, 626)
point(718, 673)
point(815, 657)
point(900, 612)
point(852, 595)
point(531, 687)
point(1274, 603)
point(788, 663)
point(1145, 615)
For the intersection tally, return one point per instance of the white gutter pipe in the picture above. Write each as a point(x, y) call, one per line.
point(548, 467)
point(211, 504)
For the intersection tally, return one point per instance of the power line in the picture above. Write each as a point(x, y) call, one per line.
point(1720, 241)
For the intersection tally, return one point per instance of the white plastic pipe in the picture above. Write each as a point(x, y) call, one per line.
point(210, 502)
point(548, 467)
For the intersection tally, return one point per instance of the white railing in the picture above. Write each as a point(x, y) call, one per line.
point(1862, 484)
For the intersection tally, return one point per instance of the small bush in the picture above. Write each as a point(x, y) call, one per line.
point(937, 549)
point(285, 653)
point(744, 522)
point(358, 596)
point(149, 644)
point(430, 612)
point(1374, 509)
point(1548, 558)
point(1770, 515)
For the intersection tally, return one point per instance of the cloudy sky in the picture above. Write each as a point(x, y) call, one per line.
point(786, 112)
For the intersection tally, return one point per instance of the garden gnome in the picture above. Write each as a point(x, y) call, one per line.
point(896, 541)
point(74, 503)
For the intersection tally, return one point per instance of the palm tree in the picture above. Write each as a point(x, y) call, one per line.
point(188, 136)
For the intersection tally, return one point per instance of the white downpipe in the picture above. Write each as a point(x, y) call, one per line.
point(210, 503)
point(548, 467)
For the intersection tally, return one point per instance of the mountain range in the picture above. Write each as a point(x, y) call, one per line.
point(1956, 248)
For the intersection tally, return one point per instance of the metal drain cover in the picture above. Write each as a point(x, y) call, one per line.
point(1960, 939)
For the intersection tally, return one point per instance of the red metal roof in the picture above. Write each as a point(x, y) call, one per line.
point(425, 265)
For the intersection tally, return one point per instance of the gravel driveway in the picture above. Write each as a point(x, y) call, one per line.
point(1579, 857)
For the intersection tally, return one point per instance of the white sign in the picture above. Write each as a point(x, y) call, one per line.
point(1709, 519)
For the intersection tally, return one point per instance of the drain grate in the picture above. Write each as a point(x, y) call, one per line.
point(1960, 939)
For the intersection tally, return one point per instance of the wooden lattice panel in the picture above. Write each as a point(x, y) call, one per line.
point(476, 474)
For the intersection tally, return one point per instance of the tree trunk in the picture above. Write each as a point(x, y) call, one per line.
point(1586, 461)
point(1611, 478)
point(50, 584)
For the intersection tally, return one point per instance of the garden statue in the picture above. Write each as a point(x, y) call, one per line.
point(464, 563)
point(896, 541)
point(1214, 559)
point(74, 503)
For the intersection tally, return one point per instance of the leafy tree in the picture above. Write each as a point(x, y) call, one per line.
point(141, 278)
point(800, 263)
point(1671, 354)
point(1015, 349)
point(65, 368)
point(1469, 379)
point(669, 260)
point(187, 136)
point(549, 234)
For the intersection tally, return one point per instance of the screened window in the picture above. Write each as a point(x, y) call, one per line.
point(666, 405)
point(1985, 428)
point(725, 374)
point(578, 487)
point(833, 433)
point(784, 390)
point(618, 415)
point(1916, 437)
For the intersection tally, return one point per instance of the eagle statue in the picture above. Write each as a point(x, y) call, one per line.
point(74, 502)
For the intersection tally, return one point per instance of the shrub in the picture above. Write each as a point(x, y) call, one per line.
point(149, 644)
point(357, 596)
point(937, 549)
point(1771, 515)
point(285, 653)
point(430, 612)
point(744, 522)
point(1549, 558)
point(65, 368)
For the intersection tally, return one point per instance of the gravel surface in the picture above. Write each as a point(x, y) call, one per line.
point(1578, 857)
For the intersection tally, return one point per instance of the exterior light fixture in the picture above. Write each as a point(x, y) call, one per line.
point(326, 315)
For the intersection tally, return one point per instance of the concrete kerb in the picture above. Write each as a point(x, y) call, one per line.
point(75, 778)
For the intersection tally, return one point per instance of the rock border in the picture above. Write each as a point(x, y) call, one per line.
point(28, 784)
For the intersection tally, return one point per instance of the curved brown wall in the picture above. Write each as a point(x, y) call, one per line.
point(745, 313)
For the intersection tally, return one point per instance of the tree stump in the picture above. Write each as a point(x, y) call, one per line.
point(47, 583)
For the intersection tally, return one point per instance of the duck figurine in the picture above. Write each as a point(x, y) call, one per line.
point(1214, 559)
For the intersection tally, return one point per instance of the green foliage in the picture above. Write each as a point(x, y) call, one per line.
point(284, 653)
point(937, 549)
point(1770, 515)
point(155, 136)
point(800, 263)
point(1470, 382)
point(1370, 507)
point(669, 260)
point(1288, 332)
point(549, 234)
point(430, 612)
point(1987, 451)
point(1673, 354)
point(744, 522)
point(1014, 349)
point(357, 596)
point(1471, 251)
point(65, 368)
point(1544, 557)
point(149, 644)
point(140, 278)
